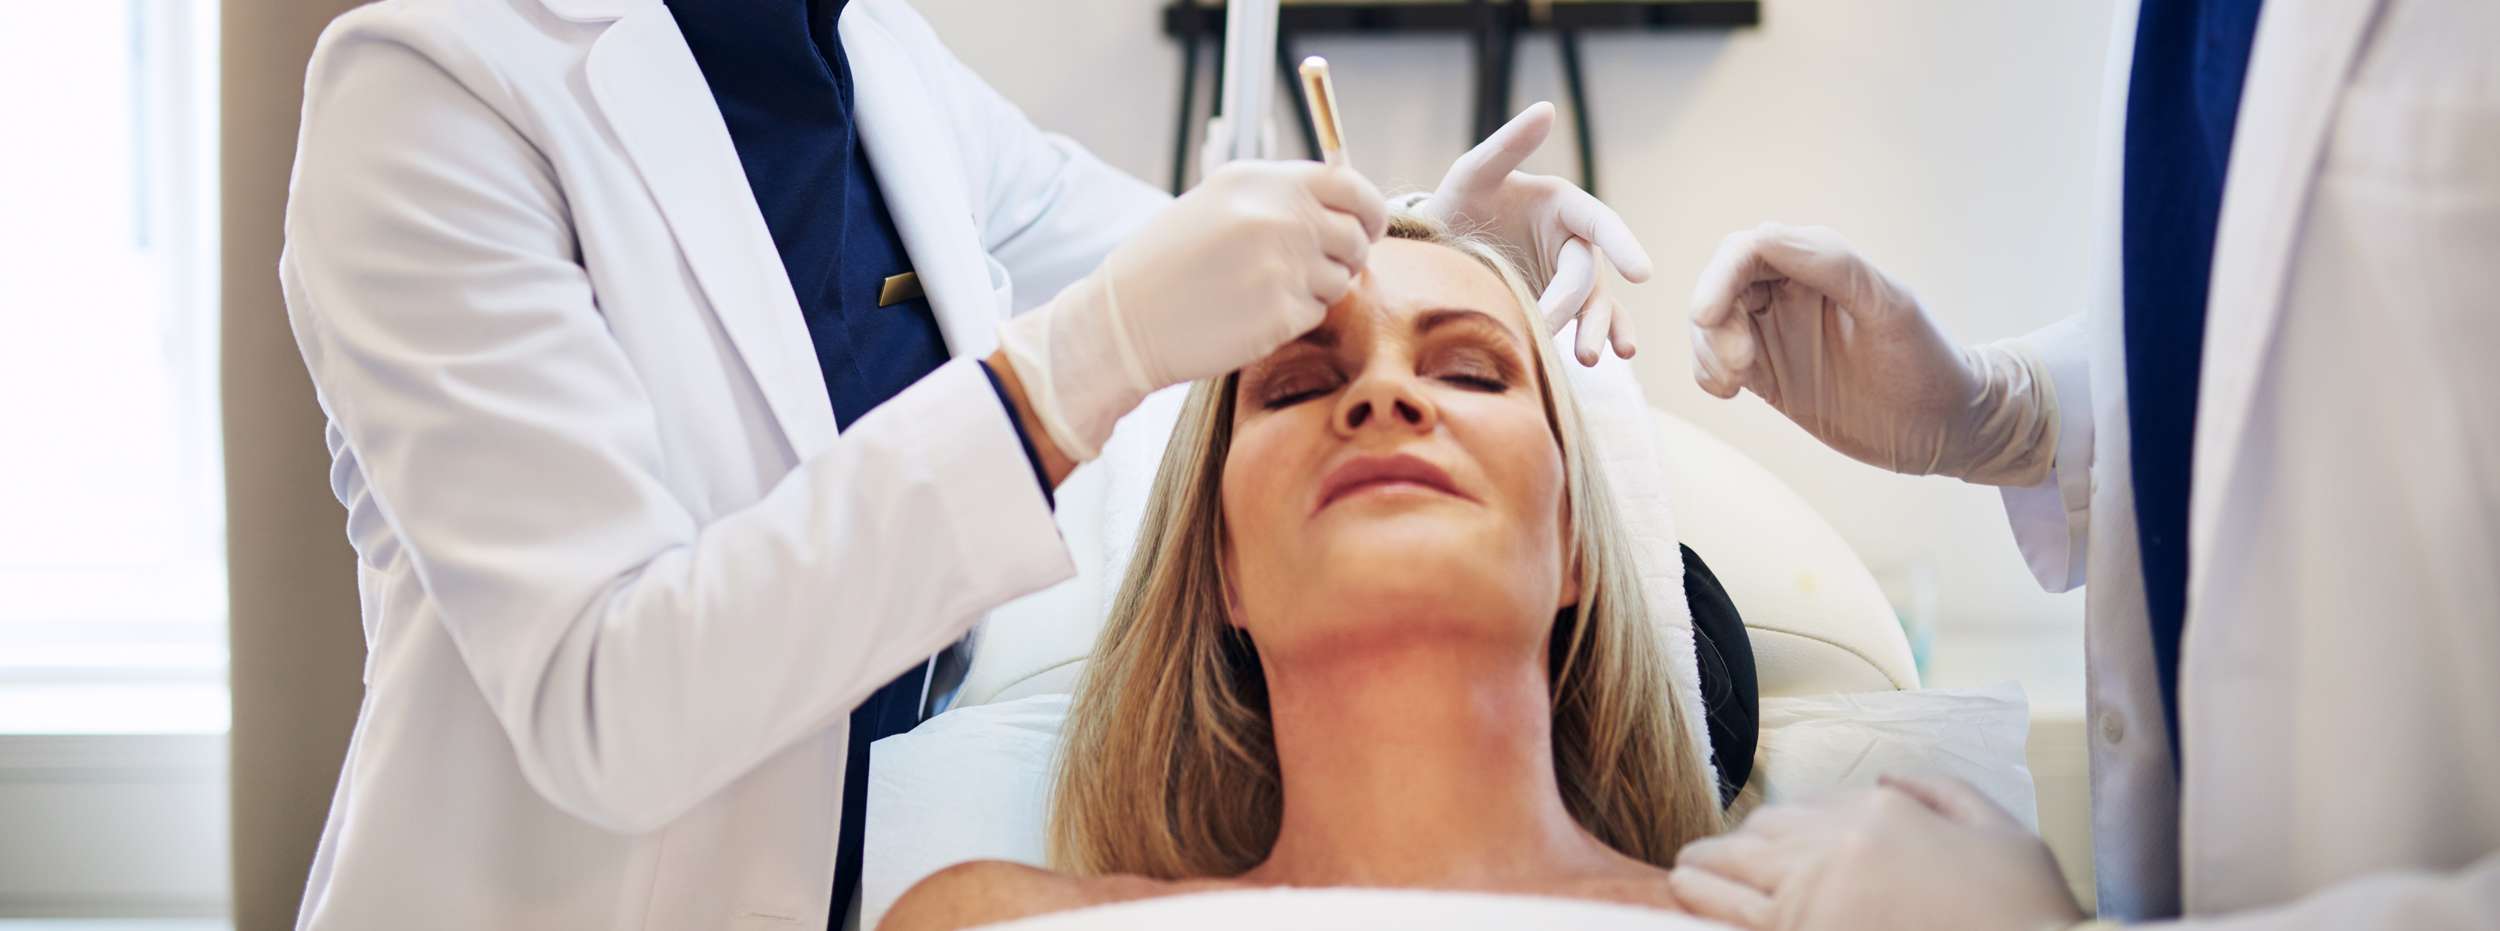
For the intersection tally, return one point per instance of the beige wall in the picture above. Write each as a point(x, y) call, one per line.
point(297, 648)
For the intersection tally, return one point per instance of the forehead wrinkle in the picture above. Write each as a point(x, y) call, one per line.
point(1431, 276)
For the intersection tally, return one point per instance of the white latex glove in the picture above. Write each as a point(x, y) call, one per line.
point(1244, 262)
point(1795, 316)
point(1564, 232)
point(1910, 854)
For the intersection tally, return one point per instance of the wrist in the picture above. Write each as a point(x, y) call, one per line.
point(1072, 370)
point(2010, 435)
point(1056, 463)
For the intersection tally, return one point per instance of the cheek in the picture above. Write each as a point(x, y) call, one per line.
point(1510, 437)
point(1257, 469)
point(1524, 466)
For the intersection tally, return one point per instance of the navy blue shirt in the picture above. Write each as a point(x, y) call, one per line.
point(783, 85)
point(2184, 95)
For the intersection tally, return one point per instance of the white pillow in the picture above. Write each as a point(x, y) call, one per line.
point(974, 783)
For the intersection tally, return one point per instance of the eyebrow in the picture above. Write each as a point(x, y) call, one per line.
point(1431, 320)
point(1326, 338)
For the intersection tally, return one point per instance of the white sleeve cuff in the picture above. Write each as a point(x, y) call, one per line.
point(2052, 519)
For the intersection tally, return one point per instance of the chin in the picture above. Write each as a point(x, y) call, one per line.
point(1423, 565)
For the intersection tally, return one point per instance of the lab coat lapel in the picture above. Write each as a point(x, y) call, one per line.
point(2302, 53)
point(647, 85)
point(899, 119)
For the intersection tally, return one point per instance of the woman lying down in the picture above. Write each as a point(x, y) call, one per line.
point(1394, 636)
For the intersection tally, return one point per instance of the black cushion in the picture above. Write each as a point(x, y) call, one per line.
point(1731, 699)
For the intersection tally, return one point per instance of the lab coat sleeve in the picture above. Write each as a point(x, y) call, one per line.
point(638, 657)
point(2052, 520)
point(2411, 901)
point(1049, 209)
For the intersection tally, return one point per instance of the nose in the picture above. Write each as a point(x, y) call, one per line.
point(1384, 401)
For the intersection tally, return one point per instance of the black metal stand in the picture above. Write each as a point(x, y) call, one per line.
point(1494, 26)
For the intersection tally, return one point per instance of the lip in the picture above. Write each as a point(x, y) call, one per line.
point(1363, 472)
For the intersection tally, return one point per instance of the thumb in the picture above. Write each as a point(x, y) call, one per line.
point(1501, 153)
point(1952, 798)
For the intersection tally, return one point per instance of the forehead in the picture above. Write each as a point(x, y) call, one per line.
point(1404, 278)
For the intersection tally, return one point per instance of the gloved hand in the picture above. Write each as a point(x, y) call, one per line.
point(1243, 263)
point(1911, 853)
point(1555, 225)
point(1795, 316)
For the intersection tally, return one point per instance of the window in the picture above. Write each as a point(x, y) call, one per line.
point(112, 569)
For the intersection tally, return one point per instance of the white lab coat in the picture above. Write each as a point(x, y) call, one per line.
point(622, 583)
point(2340, 672)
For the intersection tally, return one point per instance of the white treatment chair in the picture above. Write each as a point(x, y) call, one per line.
point(1818, 622)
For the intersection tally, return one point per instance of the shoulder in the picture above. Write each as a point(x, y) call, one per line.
point(981, 892)
point(483, 44)
point(986, 891)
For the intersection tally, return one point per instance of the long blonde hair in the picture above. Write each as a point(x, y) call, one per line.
point(1169, 766)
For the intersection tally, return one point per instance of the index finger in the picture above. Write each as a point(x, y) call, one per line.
point(1745, 857)
point(1501, 153)
point(1345, 190)
point(1719, 898)
point(1815, 257)
point(1951, 798)
point(1732, 271)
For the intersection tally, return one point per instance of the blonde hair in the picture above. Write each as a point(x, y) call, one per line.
point(1169, 765)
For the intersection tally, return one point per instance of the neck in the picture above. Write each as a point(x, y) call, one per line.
point(1422, 763)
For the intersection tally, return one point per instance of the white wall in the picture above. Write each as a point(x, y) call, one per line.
point(1952, 140)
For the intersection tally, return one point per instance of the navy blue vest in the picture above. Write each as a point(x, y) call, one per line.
point(777, 70)
point(2182, 99)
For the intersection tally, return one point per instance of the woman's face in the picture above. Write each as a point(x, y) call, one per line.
point(1392, 473)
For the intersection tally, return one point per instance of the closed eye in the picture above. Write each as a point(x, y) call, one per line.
point(1295, 382)
point(1467, 363)
point(1291, 398)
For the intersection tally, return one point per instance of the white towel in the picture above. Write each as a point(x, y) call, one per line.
point(1359, 910)
point(1632, 452)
